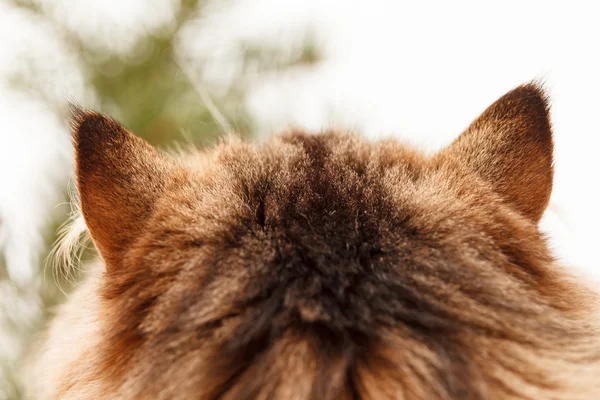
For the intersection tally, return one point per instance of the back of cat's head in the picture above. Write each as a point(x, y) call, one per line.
point(322, 266)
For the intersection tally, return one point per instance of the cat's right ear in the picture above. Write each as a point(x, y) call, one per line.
point(119, 179)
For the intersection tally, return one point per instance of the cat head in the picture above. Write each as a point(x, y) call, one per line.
point(325, 265)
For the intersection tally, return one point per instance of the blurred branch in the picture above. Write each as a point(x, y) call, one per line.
point(205, 96)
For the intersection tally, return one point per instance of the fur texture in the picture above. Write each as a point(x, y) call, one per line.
point(323, 267)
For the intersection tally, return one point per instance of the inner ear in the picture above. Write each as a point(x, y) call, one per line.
point(119, 178)
point(510, 146)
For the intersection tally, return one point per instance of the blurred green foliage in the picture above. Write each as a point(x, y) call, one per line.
point(153, 97)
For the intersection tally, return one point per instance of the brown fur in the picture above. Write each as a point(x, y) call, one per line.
point(324, 267)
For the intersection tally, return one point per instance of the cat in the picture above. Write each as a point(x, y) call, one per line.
point(323, 266)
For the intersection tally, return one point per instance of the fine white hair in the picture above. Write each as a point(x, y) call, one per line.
point(72, 240)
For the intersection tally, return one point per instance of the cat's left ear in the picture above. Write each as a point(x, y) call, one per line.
point(119, 178)
point(510, 146)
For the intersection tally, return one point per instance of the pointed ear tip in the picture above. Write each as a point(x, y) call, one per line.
point(90, 129)
point(535, 92)
point(90, 132)
point(79, 116)
point(538, 87)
